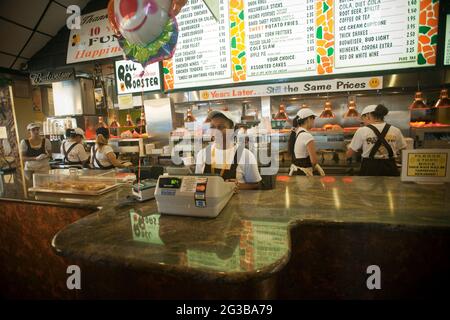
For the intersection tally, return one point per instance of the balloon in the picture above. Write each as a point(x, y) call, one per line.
point(141, 21)
point(177, 5)
point(112, 19)
point(160, 49)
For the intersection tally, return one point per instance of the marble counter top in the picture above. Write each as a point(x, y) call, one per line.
point(250, 238)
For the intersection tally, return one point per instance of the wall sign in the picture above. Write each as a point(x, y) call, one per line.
point(321, 86)
point(94, 41)
point(48, 77)
point(426, 165)
point(131, 77)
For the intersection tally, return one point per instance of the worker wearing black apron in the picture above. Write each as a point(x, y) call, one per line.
point(225, 158)
point(102, 155)
point(73, 150)
point(380, 143)
point(301, 145)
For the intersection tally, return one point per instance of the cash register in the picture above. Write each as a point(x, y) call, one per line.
point(192, 195)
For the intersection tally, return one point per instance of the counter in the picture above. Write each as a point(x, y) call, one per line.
point(248, 250)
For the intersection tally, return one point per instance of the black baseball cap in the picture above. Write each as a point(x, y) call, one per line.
point(103, 131)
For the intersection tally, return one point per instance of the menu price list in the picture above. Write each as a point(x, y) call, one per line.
point(370, 32)
point(202, 51)
point(280, 37)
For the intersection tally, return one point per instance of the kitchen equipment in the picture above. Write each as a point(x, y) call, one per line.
point(197, 196)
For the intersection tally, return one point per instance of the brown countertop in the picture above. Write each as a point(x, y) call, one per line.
point(250, 238)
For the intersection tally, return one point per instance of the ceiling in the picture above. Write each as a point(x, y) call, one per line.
point(27, 26)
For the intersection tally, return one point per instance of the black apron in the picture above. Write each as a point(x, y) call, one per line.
point(31, 152)
point(226, 174)
point(300, 162)
point(66, 155)
point(379, 167)
point(100, 166)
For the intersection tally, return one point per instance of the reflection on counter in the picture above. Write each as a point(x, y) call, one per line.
point(145, 228)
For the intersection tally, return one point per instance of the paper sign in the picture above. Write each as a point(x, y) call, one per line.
point(426, 165)
point(125, 101)
point(3, 134)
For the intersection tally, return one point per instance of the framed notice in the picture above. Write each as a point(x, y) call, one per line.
point(426, 165)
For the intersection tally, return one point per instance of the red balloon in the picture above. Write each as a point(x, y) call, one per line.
point(177, 5)
point(112, 19)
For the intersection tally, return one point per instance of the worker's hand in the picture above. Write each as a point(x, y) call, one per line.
point(127, 164)
point(41, 157)
point(319, 170)
point(236, 184)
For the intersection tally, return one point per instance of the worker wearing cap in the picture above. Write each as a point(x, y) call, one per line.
point(102, 155)
point(301, 145)
point(231, 161)
point(380, 143)
point(35, 150)
point(72, 148)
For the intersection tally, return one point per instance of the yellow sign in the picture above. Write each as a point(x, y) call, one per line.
point(427, 165)
point(374, 82)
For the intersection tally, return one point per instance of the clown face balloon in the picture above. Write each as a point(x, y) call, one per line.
point(141, 21)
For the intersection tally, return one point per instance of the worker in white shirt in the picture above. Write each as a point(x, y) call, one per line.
point(380, 143)
point(102, 155)
point(73, 149)
point(231, 161)
point(302, 146)
point(36, 150)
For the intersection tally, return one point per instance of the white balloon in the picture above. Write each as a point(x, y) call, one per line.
point(141, 21)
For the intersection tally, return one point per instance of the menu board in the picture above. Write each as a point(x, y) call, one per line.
point(375, 32)
point(447, 42)
point(279, 37)
point(272, 40)
point(202, 51)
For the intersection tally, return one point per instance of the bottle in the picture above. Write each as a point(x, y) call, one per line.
point(101, 123)
point(129, 122)
point(142, 123)
point(114, 126)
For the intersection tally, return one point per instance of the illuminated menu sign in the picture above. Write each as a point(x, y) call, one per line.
point(203, 51)
point(280, 37)
point(447, 42)
point(267, 40)
point(371, 32)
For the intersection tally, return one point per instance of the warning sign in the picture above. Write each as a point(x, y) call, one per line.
point(427, 164)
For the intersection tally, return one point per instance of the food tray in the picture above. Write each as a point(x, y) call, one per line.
point(72, 184)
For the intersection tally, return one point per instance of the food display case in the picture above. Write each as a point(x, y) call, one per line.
point(78, 182)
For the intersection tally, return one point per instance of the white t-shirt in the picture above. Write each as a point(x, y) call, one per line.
point(365, 138)
point(101, 156)
point(302, 141)
point(37, 165)
point(77, 154)
point(246, 170)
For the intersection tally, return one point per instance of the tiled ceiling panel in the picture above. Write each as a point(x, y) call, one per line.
point(25, 12)
point(53, 20)
point(13, 37)
point(80, 3)
point(37, 42)
point(6, 60)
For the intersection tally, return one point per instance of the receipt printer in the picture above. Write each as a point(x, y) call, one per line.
point(196, 196)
